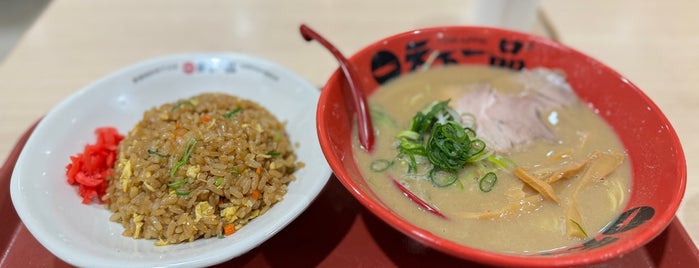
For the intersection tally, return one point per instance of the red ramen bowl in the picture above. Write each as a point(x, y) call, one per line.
point(657, 161)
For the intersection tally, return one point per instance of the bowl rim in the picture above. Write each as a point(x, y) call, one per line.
point(652, 229)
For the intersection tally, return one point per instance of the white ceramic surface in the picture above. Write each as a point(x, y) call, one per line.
point(82, 235)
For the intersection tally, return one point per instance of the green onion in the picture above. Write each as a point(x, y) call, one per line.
point(408, 134)
point(460, 184)
point(438, 134)
point(470, 132)
point(235, 171)
point(579, 227)
point(380, 165)
point(276, 135)
point(181, 193)
point(233, 112)
point(273, 153)
point(177, 184)
point(502, 162)
point(487, 183)
point(189, 147)
point(468, 177)
point(472, 118)
point(184, 102)
point(425, 120)
point(476, 148)
point(449, 147)
point(412, 164)
point(218, 182)
point(411, 147)
point(442, 180)
point(380, 117)
point(479, 157)
point(153, 152)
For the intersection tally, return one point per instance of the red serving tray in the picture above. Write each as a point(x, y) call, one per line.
point(335, 231)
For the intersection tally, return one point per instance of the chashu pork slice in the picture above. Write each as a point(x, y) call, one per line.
point(507, 120)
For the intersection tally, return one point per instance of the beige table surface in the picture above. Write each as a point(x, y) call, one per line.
point(653, 43)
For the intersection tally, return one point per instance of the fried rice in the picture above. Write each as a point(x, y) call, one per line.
point(196, 167)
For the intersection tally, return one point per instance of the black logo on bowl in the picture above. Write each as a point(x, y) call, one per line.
point(387, 64)
point(627, 221)
point(508, 55)
point(153, 72)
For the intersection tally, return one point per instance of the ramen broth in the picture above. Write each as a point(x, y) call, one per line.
point(513, 217)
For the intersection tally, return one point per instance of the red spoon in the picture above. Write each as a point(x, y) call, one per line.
point(358, 101)
point(365, 128)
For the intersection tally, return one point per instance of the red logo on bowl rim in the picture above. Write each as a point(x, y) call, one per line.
point(188, 67)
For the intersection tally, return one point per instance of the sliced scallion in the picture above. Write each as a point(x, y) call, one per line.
point(380, 117)
point(487, 182)
point(476, 148)
point(183, 102)
point(408, 134)
point(276, 135)
point(156, 153)
point(181, 193)
point(577, 225)
point(442, 178)
point(380, 165)
point(449, 147)
point(177, 184)
point(502, 162)
point(189, 147)
point(232, 112)
point(439, 135)
point(460, 184)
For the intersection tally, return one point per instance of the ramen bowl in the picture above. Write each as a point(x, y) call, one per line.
point(656, 158)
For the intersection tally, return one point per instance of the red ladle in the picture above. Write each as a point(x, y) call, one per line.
point(358, 101)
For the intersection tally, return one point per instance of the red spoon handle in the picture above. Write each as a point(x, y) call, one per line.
point(410, 195)
point(365, 127)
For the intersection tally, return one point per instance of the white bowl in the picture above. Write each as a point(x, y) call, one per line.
point(82, 235)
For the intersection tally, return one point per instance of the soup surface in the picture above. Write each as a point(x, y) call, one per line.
point(553, 174)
